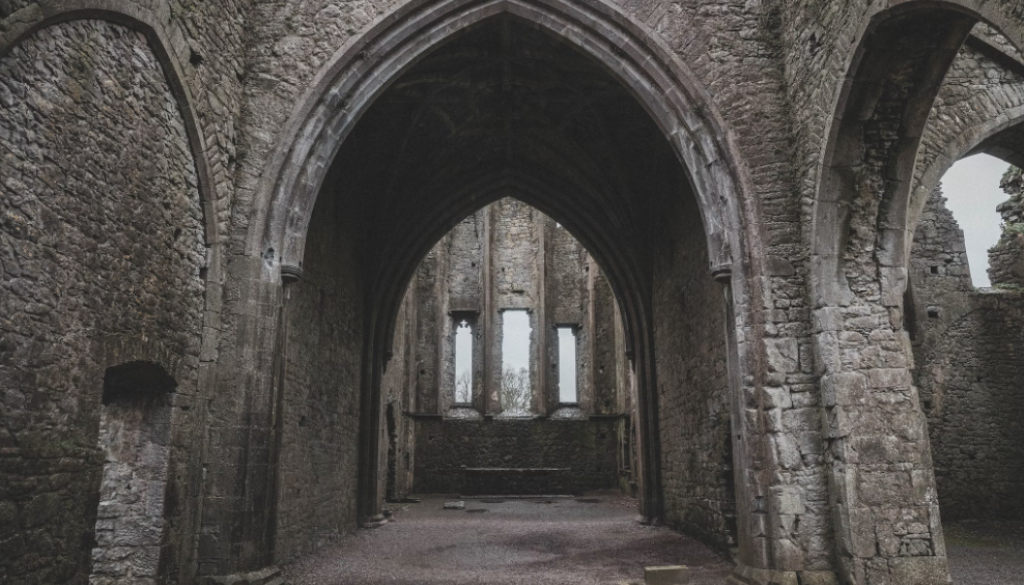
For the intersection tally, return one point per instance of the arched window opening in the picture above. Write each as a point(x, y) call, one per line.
point(476, 143)
point(135, 429)
point(973, 193)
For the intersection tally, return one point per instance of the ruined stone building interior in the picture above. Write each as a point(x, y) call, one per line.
point(511, 291)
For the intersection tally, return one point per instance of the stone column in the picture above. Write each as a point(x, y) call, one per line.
point(234, 537)
point(487, 315)
point(543, 393)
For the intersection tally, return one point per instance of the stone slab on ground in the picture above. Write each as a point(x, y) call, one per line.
point(669, 575)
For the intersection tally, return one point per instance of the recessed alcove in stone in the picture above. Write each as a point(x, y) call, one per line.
point(135, 430)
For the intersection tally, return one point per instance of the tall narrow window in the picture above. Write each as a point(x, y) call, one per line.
point(516, 390)
point(463, 363)
point(567, 365)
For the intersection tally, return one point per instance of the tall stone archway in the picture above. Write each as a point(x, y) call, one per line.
point(673, 110)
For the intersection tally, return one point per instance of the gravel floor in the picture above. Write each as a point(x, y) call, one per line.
point(563, 541)
point(985, 553)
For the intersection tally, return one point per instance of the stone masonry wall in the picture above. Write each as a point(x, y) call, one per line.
point(516, 284)
point(587, 447)
point(135, 436)
point(969, 357)
point(102, 263)
point(693, 397)
point(319, 411)
point(398, 388)
point(977, 97)
point(568, 300)
point(450, 282)
point(102, 256)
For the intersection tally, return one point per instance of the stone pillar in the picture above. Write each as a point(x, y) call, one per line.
point(237, 507)
point(543, 393)
point(881, 484)
point(489, 392)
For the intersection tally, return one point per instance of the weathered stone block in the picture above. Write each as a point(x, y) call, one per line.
point(783, 355)
point(844, 389)
point(670, 575)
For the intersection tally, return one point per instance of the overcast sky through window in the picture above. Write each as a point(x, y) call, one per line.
point(515, 341)
point(566, 365)
point(972, 191)
point(463, 361)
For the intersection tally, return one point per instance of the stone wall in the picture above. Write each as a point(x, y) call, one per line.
point(570, 298)
point(102, 258)
point(526, 261)
point(399, 390)
point(969, 357)
point(979, 94)
point(319, 408)
point(587, 447)
point(103, 264)
point(693, 397)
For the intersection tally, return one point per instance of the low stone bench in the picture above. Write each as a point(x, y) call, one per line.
point(516, 481)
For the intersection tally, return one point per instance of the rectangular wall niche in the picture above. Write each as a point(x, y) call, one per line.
point(516, 389)
point(463, 362)
point(567, 365)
